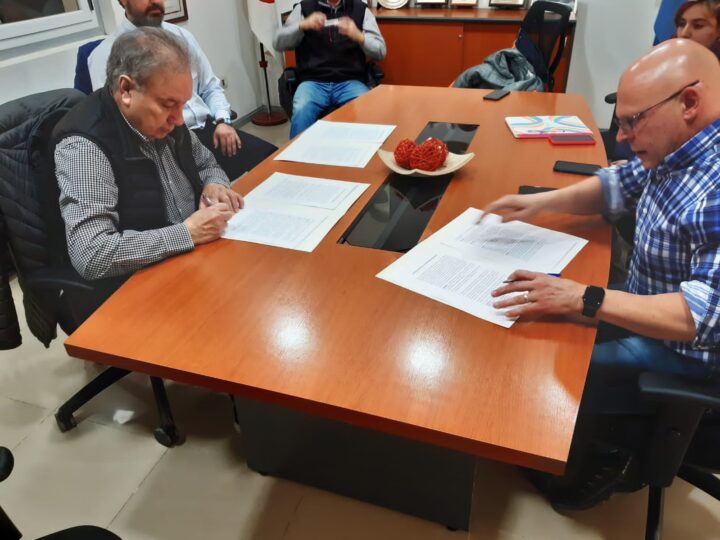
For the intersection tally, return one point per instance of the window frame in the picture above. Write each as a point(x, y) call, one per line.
point(51, 27)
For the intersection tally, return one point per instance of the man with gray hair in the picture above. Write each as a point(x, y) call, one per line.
point(136, 186)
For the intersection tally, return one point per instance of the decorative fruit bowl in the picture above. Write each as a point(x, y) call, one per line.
point(429, 158)
point(453, 162)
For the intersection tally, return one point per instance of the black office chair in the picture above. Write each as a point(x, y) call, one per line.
point(289, 82)
point(686, 439)
point(34, 236)
point(542, 38)
point(8, 531)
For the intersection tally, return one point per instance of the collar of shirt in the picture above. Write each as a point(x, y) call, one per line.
point(703, 142)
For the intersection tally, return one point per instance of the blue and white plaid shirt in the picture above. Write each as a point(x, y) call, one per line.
point(677, 237)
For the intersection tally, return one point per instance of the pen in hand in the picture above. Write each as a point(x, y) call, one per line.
point(207, 200)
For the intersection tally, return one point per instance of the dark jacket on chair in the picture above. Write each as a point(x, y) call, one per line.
point(23, 235)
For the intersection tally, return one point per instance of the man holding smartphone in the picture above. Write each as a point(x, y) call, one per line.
point(666, 317)
point(333, 40)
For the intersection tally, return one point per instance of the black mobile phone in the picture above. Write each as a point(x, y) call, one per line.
point(570, 167)
point(496, 95)
point(529, 190)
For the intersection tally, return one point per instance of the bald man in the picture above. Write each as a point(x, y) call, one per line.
point(666, 316)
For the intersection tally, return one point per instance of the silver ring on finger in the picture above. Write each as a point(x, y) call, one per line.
point(526, 297)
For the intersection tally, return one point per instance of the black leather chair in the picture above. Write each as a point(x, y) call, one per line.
point(34, 235)
point(542, 38)
point(686, 439)
point(8, 531)
point(289, 82)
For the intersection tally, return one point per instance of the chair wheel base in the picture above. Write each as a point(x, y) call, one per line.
point(65, 422)
point(168, 436)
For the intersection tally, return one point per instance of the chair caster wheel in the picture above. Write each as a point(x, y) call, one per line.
point(168, 436)
point(65, 422)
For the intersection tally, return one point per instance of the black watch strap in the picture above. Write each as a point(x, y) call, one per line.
point(592, 300)
point(219, 121)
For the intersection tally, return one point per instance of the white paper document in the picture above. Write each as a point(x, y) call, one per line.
point(342, 144)
point(294, 212)
point(462, 263)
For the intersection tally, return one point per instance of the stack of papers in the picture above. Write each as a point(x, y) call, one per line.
point(533, 127)
point(342, 144)
point(462, 263)
point(294, 212)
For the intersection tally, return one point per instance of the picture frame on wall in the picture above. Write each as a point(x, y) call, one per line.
point(176, 11)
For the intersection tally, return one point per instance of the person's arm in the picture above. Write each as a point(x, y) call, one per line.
point(660, 316)
point(97, 63)
point(374, 44)
point(88, 203)
point(611, 191)
point(216, 185)
point(289, 35)
point(208, 86)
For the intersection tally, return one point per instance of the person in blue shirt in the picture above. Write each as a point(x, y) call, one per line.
point(207, 112)
point(666, 316)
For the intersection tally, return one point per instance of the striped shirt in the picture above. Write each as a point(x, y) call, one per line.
point(89, 198)
point(677, 237)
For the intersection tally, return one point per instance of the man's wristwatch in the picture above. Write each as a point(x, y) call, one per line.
point(592, 300)
point(219, 121)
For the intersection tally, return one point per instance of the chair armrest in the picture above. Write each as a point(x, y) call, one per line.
point(673, 388)
point(611, 99)
point(56, 279)
point(290, 76)
point(375, 73)
point(6, 463)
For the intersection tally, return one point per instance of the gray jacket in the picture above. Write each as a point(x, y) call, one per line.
point(507, 69)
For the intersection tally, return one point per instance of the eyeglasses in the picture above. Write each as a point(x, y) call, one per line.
point(628, 123)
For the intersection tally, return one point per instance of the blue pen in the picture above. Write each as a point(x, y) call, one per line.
point(548, 273)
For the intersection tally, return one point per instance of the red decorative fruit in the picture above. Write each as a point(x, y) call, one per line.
point(403, 151)
point(429, 156)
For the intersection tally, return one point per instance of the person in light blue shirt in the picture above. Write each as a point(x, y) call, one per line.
point(207, 112)
point(666, 317)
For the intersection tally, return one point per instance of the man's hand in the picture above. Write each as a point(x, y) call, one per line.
point(227, 139)
point(207, 224)
point(313, 22)
point(512, 207)
point(543, 295)
point(347, 27)
point(217, 193)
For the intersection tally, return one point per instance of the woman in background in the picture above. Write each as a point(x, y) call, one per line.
point(699, 20)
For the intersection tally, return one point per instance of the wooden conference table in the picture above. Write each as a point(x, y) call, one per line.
point(320, 334)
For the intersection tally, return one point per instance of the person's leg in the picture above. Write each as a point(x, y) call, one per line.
point(310, 99)
point(252, 151)
point(347, 91)
point(613, 426)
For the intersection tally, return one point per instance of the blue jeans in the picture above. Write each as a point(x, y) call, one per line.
point(618, 359)
point(313, 98)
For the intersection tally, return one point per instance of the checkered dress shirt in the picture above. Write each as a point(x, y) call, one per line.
point(89, 197)
point(677, 237)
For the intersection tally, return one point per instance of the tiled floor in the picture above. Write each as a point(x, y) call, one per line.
point(111, 472)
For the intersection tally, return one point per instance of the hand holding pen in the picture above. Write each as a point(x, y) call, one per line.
point(541, 294)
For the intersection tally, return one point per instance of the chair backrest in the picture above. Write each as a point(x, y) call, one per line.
point(542, 37)
point(82, 72)
point(33, 227)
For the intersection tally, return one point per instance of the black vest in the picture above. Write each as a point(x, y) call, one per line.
point(140, 200)
point(327, 55)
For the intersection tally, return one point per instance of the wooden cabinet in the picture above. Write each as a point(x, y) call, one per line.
point(431, 47)
point(434, 60)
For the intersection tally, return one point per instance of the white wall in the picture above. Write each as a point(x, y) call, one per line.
point(220, 27)
point(610, 34)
